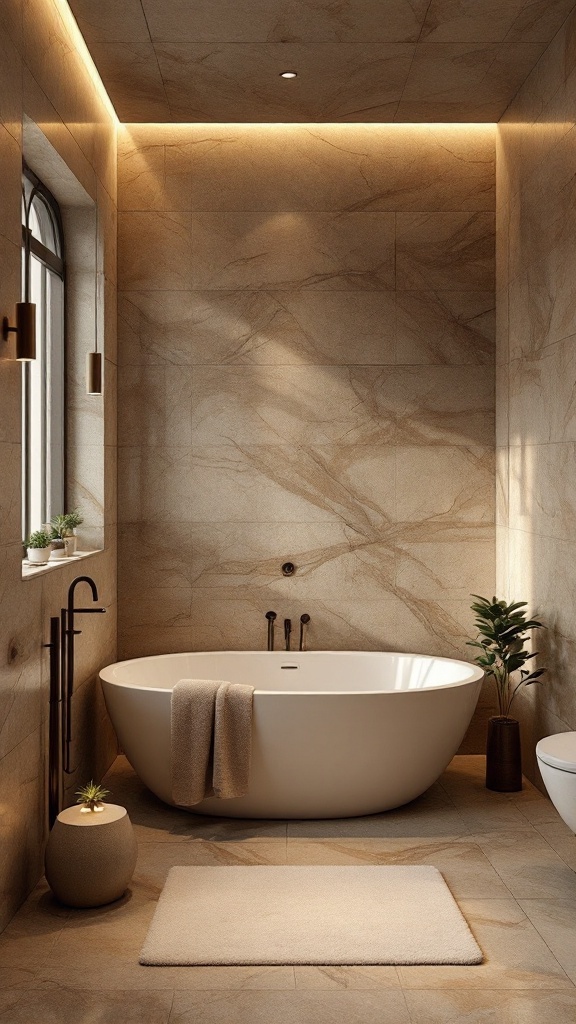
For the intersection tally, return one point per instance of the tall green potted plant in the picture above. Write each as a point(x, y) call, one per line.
point(502, 632)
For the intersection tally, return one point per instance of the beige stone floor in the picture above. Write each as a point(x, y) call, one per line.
point(508, 859)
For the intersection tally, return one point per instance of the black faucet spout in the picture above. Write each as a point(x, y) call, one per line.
point(72, 591)
point(271, 617)
point(287, 632)
point(304, 620)
point(68, 632)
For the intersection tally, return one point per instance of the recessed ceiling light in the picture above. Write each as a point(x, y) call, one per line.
point(288, 74)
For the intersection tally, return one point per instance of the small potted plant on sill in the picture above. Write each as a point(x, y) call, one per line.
point(91, 796)
point(58, 536)
point(502, 633)
point(38, 547)
point(73, 520)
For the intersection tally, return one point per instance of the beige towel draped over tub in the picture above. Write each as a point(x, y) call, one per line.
point(211, 727)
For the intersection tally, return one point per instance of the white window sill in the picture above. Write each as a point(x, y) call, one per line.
point(31, 569)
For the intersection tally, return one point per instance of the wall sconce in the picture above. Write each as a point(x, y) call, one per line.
point(94, 358)
point(94, 373)
point(25, 331)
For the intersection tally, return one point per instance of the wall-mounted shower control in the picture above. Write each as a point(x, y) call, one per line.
point(288, 569)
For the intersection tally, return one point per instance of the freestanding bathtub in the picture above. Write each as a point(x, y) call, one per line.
point(335, 734)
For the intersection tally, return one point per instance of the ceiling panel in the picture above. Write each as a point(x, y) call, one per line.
point(357, 60)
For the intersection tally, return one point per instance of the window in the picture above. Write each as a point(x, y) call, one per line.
point(43, 378)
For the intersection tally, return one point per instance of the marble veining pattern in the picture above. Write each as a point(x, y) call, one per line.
point(306, 355)
point(507, 858)
point(358, 60)
point(66, 109)
point(535, 375)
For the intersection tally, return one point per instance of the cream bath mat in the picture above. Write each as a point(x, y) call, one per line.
point(308, 915)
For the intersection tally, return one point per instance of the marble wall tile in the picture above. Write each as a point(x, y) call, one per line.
point(305, 167)
point(445, 251)
point(444, 486)
point(281, 400)
point(254, 483)
point(535, 394)
point(449, 569)
point(541, 489)
point(284, 251)
point(258, 327)
point(22, 824)
point(441, 405)
point(11, 159)
point(11, 20)
point(23, 696)
point(42, 108)
point(445, 327)
point(533, 417)
point(11, 87)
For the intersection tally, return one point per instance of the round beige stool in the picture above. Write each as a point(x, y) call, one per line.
point(90, 857)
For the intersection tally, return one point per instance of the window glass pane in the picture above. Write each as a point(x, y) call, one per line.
point(41, 223)
point(54, 395)
point(43, 449)
point(37, 368)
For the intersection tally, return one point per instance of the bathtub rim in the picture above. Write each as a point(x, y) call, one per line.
point(477, 673)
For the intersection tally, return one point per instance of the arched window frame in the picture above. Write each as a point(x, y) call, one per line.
point(43, 382)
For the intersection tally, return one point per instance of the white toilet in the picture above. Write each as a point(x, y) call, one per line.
point(557, 762)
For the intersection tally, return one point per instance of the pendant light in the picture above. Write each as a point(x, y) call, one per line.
point(94, 358)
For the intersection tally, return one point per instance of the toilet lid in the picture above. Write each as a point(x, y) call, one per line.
point(558, 751)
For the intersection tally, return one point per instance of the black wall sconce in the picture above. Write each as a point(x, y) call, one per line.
point(94, 358)
point(25, 331)
point(94, 373)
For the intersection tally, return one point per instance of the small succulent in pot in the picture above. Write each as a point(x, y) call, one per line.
point(64, 527)
point(59, 533)
point(91, 796)
point(38, 547)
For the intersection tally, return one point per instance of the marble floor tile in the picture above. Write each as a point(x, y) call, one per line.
point(420, 818)
point(555, 920)
point(156, 822)
point(491, 1007)
point(515, 955)
point(561, 839)
point(528, 865)
point(28, 938)
point(156, 859)
point(136, 977)
point(465, 868)
point(473, 837)
point(300, 1007)
point(73, 1006)
point(334, 977)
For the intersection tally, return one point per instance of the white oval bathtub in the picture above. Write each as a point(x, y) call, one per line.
point(335, 734)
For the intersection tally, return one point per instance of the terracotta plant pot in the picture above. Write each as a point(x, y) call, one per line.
point(503, 756)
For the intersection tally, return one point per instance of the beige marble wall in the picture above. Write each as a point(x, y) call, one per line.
point(536, 371)
point(305, 373)
point(64, 105)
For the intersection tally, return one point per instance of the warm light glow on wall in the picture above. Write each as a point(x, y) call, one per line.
point(318, 125)
point(71, 27)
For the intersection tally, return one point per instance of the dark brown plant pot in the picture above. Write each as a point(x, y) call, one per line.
point(503, 757)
